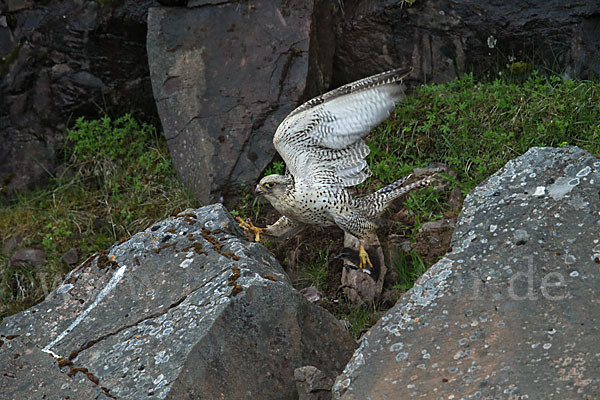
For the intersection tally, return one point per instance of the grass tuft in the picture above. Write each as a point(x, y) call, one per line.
point(117, 180)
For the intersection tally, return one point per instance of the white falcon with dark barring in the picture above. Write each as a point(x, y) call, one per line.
point(321, 144)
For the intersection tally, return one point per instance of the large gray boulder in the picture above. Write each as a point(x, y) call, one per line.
point(225, 75)
point(184, 310)
point(513, 310)
point(61, 59)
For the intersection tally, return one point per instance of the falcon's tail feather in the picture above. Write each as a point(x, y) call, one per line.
point(376, 202)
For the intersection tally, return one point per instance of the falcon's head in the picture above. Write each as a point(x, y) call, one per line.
point(273, 187)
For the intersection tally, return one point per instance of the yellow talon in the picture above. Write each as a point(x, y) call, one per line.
point(364, 258)
point(248, 226)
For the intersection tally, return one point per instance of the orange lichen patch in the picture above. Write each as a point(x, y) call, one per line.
point(123, 240)
point(107, 393)
point(63, 362)
point(104, 261)
point(89, 344)
point(157, 250)
point(271, 278)
point(234, 277)
point(230, 255)
point(90, 376)
point(206, 234)
point(236, 290)
point(75, 370)
point(197, 248)
point(190, 220)
point(93, 378)
point(416, 319)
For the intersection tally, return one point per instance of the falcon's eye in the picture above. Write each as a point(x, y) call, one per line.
point(269, 185)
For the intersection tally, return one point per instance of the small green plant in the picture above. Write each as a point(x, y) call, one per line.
point(247, 205)
point(276, 167)
point(519, 68)
point(122, 139)
point(314, 272)
point(8, 59)
point(55, 233)
point(410, 267)
point(360, 317)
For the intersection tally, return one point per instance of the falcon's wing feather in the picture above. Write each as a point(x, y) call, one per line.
point(321, 140)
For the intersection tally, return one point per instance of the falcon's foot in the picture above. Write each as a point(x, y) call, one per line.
point(248, 226)
point(364, 258)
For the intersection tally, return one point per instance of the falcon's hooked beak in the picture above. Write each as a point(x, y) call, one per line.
point(259, 190)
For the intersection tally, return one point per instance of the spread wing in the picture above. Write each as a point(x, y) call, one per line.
point(321, 140)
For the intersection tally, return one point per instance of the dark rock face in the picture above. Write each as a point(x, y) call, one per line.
point(63, 59)
point(185, 309)
point(441, 38)
point(512, 311)
point(224, 76)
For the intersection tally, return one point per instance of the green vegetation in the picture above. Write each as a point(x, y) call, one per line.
point(359, 318)
point(8, 59)
point(475, 127)
point(410, 267)
point(247, 205)
point(276, 167)
point(118, 179)
point(314, 272)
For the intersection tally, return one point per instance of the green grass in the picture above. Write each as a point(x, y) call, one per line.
point(118, 179)
point(477, 127)
point(314, 272)
point(359, 317)
point(410, 267)
point(246, 205)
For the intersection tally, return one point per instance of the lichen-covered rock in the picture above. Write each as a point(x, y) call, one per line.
point(184, 309)
point(225, 75)
point(512, 311)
